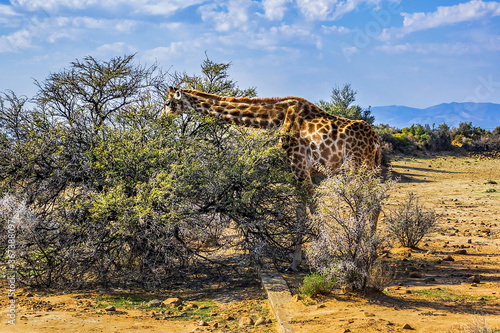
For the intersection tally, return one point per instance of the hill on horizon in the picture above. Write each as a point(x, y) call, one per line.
point(484, 115)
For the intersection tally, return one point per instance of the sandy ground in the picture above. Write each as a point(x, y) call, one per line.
point(86, 312)
point(429, 295)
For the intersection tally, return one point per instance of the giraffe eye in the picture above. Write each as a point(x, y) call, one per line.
point(177, 95)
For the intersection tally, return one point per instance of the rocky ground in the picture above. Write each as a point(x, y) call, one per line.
point(450, 282)
point(120, 311)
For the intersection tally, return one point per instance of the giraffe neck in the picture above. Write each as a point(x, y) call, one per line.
point(259, 113)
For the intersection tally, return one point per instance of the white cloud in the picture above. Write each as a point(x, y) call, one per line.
point(316, 9)
point(160, 7)
point(443, 16)
point(152, 7)
point(6, 10)
point(8, 16)
point(334, 28)
point(53, 29)
point(52, 5)
point(172, 26)
point(446, 15)
point(275, 9)
point(273, 39)
point(122, 26)
point(344, 7)
point(450, 49)
point(176, 50)
point(232, 14)
point(114, 49)
point(328, 10)
point(18, 40)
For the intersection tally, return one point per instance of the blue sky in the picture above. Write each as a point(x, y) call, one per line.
point(416, 53)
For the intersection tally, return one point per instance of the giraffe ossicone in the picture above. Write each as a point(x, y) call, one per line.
point(309, 135)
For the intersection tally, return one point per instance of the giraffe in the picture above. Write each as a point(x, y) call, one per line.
point(309, 136)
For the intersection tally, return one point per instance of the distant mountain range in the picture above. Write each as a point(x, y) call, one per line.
point(484, 115)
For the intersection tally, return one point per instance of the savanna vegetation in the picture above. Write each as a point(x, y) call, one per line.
point(104, 191)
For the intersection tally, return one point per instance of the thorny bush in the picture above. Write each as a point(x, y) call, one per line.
point(411, 222)
point(347, 244)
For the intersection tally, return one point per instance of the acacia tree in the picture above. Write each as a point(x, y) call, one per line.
point(214, 79)
point(93, 92)
point(340, 105)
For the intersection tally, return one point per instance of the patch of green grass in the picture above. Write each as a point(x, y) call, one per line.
point(490, 181)
point(202, 313)
point(141, 302)
point(490, 190)
point(467, 162)
point(130, 302)
point(265, 312)
point(317, 284)
point(447, 295)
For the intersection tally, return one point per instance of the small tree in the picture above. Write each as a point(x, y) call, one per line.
point(347, 246)
point(340, 105)
point(214, 79)
point(411, 222)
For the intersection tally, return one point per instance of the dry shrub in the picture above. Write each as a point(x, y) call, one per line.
point(347, 245)
point(411, 222)
point(476, 324)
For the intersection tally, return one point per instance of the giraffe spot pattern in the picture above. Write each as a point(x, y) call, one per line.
point(309, 134)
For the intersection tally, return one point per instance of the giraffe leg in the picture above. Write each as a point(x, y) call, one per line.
point(374, 220)
point(300, 224)
point(302, 216)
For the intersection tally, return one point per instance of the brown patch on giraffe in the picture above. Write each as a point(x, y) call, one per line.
point(247, 114)
point(340, 143)
point(316, 137)
point(325, 153)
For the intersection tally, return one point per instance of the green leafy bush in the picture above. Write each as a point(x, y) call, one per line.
point(316, 283)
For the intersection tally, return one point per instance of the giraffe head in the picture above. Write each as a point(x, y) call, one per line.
point(176, 102)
